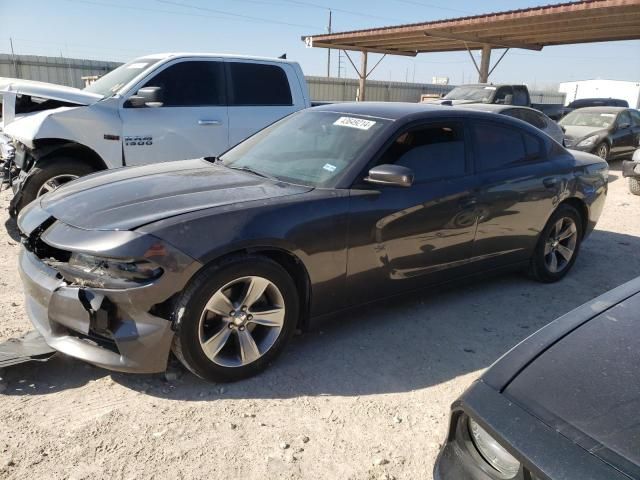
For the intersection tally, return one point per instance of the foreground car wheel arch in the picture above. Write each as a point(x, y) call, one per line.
point(246, 346)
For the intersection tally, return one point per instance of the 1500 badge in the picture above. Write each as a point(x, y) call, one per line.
point(138, 141)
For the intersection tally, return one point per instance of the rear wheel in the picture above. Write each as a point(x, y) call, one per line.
point(235, 318)
point(558, 245)
point(51, 175)
point(634, 185)
point(602, 150)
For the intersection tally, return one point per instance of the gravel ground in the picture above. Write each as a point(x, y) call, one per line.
point(361, 396)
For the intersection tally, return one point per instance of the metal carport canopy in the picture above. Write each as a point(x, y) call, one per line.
point(528, 28)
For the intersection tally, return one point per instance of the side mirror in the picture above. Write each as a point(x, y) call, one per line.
point(508, 99)
point(392, 175)
point(563, 128)
point(146, 97)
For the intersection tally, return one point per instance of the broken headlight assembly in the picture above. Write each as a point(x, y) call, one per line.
point(103, 272)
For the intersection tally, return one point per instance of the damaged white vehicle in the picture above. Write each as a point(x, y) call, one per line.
point(153, 109)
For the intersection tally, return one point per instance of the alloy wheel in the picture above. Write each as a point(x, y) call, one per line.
point(560, 245)
point(602, 151)
point(55, 182)
point(241, 321)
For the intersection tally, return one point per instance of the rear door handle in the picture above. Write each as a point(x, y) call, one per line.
point(209, 122)
point(550, 182)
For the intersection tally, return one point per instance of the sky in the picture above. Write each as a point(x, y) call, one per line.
point(121, 30)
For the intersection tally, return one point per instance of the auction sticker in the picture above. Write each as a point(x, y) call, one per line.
point(352, 122)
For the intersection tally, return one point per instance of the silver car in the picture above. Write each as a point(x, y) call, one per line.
point(526, 114)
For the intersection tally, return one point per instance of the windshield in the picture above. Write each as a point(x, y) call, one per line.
point(118, 78)
point(588, 119)
point(310, 148)
point(477, 94)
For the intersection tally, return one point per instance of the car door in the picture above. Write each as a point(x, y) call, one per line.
point(518, 187)
point(192, 121)
point(623, 139)
point(404, 238)
point(259, 94)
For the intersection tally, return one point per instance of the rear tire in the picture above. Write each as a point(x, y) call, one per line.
point(49, 176)
point(634, 185)
point(562, 234)
point(217, 339)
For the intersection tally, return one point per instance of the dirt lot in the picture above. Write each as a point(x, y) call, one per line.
point(363, 396)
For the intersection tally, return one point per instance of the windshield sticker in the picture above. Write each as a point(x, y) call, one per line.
point(352, 122)
point(608, 115)
point(331, 168)
point(137, 66)
point(489, 88)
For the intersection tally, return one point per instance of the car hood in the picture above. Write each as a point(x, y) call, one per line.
point(576, 132)
point(48, 91)
point(128, 198)
point(587, 385)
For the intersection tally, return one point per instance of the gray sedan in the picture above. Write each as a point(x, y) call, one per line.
point(526, 114)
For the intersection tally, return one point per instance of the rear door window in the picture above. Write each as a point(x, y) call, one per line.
point(432, 152)
point(191, 83)
point(256, 84)
point(498, 146)
point(520, 96)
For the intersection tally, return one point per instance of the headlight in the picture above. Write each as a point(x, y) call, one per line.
point(588, 142)
point(108, 272)
point(492, 451)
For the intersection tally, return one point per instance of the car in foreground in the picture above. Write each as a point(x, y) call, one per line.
point(631, 170)
point(220, 260)
point(526, 114)
point(156, 108)
point(609, 132)
point(563, 404)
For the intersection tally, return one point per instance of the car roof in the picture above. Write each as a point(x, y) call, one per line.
point(169, 55)
point(390, 110)
point(603, 109)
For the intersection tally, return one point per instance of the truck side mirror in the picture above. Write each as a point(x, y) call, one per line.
point(508, 99)
point(146, 97)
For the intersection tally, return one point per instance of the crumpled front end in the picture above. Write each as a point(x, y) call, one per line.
point(117, 323)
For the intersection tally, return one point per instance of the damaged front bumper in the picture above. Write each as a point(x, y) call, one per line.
point(120, 329)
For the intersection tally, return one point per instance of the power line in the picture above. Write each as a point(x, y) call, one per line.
point(341, 10)
point(237, 15)
point(429, 5)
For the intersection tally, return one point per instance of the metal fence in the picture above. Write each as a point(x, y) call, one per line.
point(69, 71)
point(325, 89)
point(60, 70)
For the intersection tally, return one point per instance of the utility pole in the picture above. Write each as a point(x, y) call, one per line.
point(329, 50)
point(13, 57)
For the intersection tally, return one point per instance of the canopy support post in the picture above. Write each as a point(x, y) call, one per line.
point(484, 64)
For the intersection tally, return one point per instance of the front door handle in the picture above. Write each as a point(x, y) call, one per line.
point(209, 122)
point(468, 202)
point(550, 182)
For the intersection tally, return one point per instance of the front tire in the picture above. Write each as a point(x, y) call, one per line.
point(602, 150)
point(558, 246)
point(235, 318)
point(48, 177)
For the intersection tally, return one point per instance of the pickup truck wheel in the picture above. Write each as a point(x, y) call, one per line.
point(235, 318)
point(602, 150)
point(49, 176)
point(558, 245)
point(634, 185)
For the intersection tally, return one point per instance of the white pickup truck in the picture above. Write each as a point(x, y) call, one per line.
point(153, 109)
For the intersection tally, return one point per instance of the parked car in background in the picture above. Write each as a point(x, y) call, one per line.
point(561, 405)
point(529, 115)
point(329, 208)
point(153, 109)
point(517, 95)
point(631, 170)
point(609, 132)
point(595, 102)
